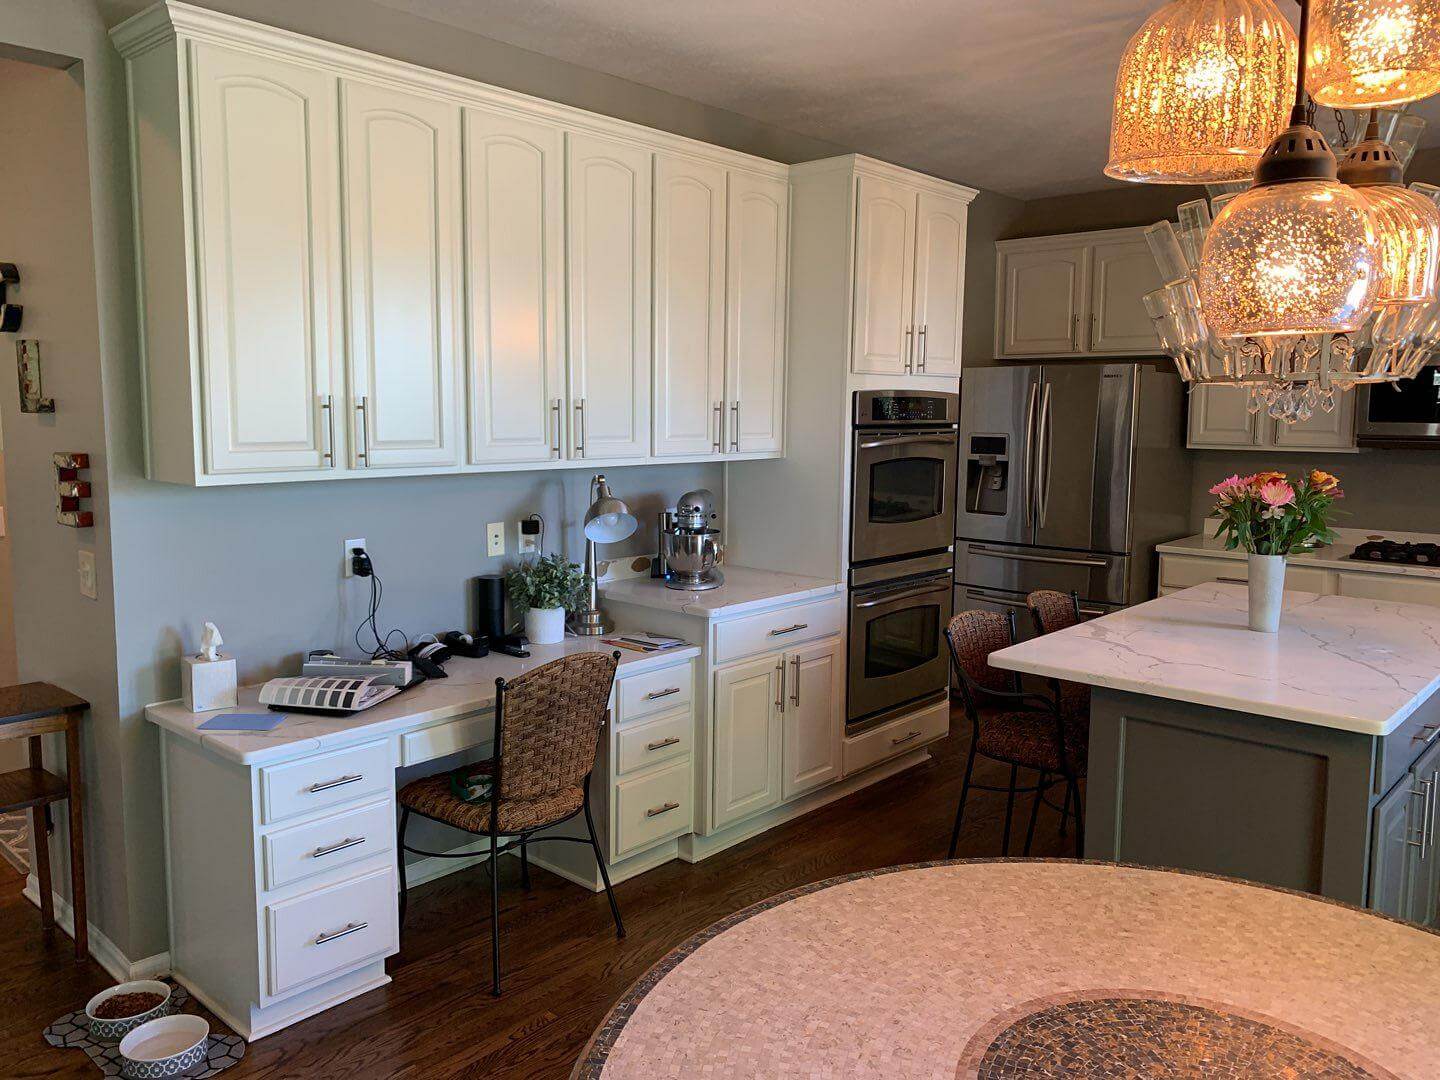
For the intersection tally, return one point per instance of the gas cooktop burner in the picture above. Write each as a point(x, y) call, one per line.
point(1396, 552)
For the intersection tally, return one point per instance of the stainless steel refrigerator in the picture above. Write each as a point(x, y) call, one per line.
point(1070, 473)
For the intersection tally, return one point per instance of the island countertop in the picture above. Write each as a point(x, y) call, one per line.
point(1338, 661)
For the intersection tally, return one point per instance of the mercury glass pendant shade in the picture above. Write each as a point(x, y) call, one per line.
point(1203, 87)
point(1373, 52)
point(1407, 226)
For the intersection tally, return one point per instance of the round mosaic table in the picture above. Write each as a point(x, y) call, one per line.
point(1029, 969)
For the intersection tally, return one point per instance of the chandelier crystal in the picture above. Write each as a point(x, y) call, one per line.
point(1373, 52)
point(1202, 88)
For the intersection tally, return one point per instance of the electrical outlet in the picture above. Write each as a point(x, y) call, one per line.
point(526, 543)
point(346, 569)
point(85, 568)
point(495, 538)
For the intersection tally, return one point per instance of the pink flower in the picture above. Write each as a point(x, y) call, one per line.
point(1229, 488)
point(1276, 494)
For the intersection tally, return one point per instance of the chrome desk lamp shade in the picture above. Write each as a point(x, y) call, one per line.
point(608, 521)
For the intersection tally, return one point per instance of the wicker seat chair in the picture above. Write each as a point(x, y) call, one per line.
point(1029, 731)
point(547, 731)
point(1052, 611)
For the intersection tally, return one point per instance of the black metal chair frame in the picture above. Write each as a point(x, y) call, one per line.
point(519, 839)
point(970, 692)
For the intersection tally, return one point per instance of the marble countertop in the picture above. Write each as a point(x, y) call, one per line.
point(744, 590)
point(1335, 556)
point(469, 689)
point(1337, 662)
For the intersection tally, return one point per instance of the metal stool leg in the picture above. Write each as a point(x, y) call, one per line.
point(495, 914)
point(964, 792)
point(1040, 786)
point(525, 863)
point(1079, 821)
point(1065, 811)
point(1010, 806)
point(604, 874)
point(400, 859)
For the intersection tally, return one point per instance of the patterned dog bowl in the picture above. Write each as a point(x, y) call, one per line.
point(168, 1046)
point(113, 1030)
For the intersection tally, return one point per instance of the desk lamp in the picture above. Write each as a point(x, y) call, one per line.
point(608, 521)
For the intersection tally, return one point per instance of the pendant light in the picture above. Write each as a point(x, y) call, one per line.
point(1297, 253)
point(1407, 224)
point(1373, 52)
point(1202, 88)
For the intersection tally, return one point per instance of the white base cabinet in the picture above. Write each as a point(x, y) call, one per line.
point(747, 739)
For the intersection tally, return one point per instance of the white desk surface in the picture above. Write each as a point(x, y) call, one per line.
point(1338, 661)
point(469, 689)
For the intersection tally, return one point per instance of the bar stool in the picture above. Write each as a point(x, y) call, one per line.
point(29, 711)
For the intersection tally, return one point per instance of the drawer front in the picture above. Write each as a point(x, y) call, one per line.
point(653, 807)
point(1417, 734)
point(1183, 572)
point(654, 742)
point(448, 738)
point(328, 844)
point(322, 933)
point(896, 738)
point(325, 780)
point(655, 692)
point(778, 629)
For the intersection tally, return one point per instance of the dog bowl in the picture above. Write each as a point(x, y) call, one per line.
point(168, 1046)
point(111, 1029)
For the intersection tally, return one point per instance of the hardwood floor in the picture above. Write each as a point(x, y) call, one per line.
point(563, 967)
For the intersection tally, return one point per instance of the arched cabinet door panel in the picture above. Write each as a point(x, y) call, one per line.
point(883, 330)
point(939, 283)
point(757, 247)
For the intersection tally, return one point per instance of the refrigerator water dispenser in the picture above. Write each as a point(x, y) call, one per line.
point(987, 474)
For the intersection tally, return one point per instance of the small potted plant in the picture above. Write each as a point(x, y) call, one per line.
point(1268, 516)
point(543, 589)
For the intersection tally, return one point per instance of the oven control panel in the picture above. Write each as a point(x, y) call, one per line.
point(884, 408)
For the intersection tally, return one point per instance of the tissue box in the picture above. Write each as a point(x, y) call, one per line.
point(207, 685)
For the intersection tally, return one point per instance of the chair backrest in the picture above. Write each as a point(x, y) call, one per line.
point(973, 636)
point(1053, 610)
point(548, 724)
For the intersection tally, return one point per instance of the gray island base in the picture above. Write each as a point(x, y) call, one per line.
point(1307, 759)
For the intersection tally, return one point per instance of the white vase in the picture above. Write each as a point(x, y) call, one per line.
point(545, 626)
point(1267, 592)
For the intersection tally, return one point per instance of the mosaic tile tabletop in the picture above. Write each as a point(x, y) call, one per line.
point(1034, 969)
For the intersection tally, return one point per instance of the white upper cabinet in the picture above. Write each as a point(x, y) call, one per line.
point(514, 253)
point(608, 222)
point(757, 248)
point(939, 283)
point(267, 202)
point(689, 306)
point(1121, 272)
point(884, 276)
point(403, 235)
point(1221, 420)
point(1042, 294)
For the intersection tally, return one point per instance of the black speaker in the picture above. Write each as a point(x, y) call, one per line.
point(490, 606)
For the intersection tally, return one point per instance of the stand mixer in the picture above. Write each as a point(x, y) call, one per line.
point(689, 547)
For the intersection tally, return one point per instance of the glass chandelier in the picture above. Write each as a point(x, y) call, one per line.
point(1373, 52)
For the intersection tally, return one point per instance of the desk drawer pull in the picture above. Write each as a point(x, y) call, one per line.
point(790, 629)
point(662, 693)
point(905, 738)
point(660, 744)
point(320, 853)
point(341, 781)
point(656, 811)
point(350, 928)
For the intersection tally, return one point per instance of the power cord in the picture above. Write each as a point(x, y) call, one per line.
point(363, 566)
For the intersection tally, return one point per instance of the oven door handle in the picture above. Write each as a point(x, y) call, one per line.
point(1049, 560)
point(939, 439)
point(905, 594)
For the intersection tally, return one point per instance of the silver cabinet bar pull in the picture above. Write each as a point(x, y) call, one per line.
point(320, 853)
point(719, 443)
point(789, 629)
point(362, 408)
point(327, 407)
point(662, 693)
point(580, 427)
point(924, 348)
point(660, 744)
point(1094, 332)
point(780, 684)
point(340, 781)
point(795, 690)
point(1233, 580)
point(735, 426)
point(555, 407)
point(1427, 733)
point(909, 349)
point(350, 928)
point(1075, 333)
point(905, 738)
point(656, 811)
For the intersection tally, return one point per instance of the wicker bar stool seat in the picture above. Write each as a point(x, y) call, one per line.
point(1052, 611)
point(1027, 739)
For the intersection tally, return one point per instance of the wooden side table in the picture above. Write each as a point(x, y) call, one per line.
point(29, 711)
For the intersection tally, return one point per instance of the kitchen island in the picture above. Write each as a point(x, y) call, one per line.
point(1306, 759)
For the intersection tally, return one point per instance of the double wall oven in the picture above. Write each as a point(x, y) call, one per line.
point(902, 512)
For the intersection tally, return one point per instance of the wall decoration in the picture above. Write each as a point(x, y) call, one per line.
point(27, 364)
point(70, 491)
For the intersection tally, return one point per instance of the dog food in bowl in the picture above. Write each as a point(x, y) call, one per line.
point(124, 1006)
point(114, 1013)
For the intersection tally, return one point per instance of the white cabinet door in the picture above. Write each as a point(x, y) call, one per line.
point(608, 225)
point(403, 233)
point(1219, 418)
point(689, 306)
point(757, 248)
point(747, 739)
point(814, 726)
point(1043, 294)
point(267, 200)
point(884, 331)
point(514, 256)
point(939, 283)
point(1121, 272)
point(1333, 430)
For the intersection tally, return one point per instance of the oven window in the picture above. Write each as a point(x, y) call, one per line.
point(902, 641)
point(906, 489)
point(1410, 401)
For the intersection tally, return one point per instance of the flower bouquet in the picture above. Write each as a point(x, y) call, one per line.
point(1268, 516)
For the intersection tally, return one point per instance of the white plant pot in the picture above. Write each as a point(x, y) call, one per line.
point(1267, 592)
point(545, 626)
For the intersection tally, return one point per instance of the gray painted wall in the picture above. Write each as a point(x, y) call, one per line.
point(992, 217)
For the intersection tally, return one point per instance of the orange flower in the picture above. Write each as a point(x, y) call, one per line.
point(1323, 481)
point(1270, 476)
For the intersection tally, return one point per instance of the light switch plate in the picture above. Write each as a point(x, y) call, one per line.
point(495, 538)
point(85, 568)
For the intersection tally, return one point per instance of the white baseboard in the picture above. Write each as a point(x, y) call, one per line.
point(104, 951)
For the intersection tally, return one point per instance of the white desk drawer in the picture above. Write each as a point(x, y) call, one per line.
point(430, 743)
point(656, 691)
point(778, 629)
point(322, 933)
point(328, 844)
point(896, 738)
point(325, 780)
point(653, 807)
point(654, 742)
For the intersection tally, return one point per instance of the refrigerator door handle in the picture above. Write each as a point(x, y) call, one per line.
point(1029, 492)
point(1047, 437)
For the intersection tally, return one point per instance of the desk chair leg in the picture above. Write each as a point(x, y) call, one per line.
point(76, 813)
point(1074, 787)
point(1040, 786)
point(604, 874)
point(1010, 807)
point(400, 861)
point(40, 841)
point(525, 863)
point(495, 915)
point(964, 792)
